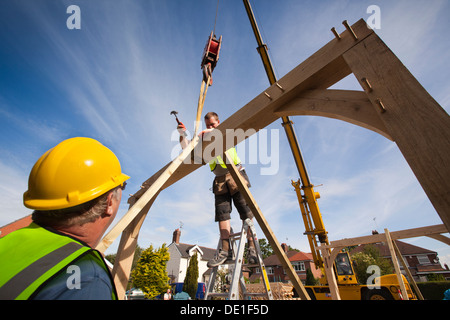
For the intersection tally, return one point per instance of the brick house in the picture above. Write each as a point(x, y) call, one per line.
point(301, 261)
point(15, 225)
point(420, 261)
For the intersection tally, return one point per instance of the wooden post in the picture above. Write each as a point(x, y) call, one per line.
point(415, 121)
point(125, 253)
point(396, 265)
point(405, 267)
point(328, 262)
point(278, 250)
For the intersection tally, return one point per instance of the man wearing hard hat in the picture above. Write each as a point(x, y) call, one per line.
point(75, 190)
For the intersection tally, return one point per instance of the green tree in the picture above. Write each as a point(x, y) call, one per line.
point(369, 256)
point(190, 282)
point(310, 279)
point(150, 274)
point(266, 249)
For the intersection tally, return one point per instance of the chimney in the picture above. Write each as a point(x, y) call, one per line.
point(285, 247)
point(176, 236)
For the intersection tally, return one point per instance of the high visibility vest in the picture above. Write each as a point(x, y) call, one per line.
point(33, 255)
point(233, 154)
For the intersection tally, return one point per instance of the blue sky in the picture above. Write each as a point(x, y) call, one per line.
point(132, 62)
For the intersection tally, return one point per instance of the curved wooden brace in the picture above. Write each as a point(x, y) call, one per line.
point(346, 105)
point(441, 238)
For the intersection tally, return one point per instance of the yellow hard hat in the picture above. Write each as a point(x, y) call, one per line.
point(75, 171)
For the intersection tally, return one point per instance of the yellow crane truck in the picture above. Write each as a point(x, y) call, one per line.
point(387, 286)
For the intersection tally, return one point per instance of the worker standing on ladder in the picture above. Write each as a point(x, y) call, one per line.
point(225, 191)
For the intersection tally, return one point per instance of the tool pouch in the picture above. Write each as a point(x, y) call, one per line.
point(220, 185)
point(226, 184)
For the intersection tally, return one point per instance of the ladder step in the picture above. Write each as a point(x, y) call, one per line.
point(243, 264)
point(217, 294)
point(235, 236)
point(237, 281)
point(248, 265)
point(256, 294)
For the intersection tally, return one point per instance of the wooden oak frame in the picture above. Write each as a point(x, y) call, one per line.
point(393, 104)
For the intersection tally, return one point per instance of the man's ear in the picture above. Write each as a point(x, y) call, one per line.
point(109, 204)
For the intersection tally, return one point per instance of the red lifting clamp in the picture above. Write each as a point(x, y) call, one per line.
point(210, 56)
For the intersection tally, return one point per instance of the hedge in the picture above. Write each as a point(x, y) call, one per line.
point(433, 290)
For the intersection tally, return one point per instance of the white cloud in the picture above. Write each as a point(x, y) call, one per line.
point(13, 184)
point(408, 29)
point(47, 131)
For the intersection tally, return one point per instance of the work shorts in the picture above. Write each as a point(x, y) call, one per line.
point(225, 191)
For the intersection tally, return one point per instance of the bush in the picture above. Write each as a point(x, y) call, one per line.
point(433, 290)
point(150, 274)
point(369, 256)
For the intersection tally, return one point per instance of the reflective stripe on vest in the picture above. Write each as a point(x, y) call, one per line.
point(33, 255)
point(25, 278)
point(232, 153)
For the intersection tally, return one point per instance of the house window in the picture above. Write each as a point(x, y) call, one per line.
point(423, 259)
point(269, 270)
point(299, 266)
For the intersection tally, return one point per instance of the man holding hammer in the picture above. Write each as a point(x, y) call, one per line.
point(225, 191)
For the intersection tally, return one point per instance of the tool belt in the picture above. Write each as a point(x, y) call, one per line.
point(226, 184)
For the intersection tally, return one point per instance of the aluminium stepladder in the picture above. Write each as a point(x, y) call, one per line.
point(237, 278)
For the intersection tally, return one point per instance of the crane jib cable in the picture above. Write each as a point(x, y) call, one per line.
point(209, 62)
point(215, 19)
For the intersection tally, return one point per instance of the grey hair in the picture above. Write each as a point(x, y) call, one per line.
point(78, 215)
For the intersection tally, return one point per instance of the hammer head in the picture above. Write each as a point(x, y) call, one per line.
point(175, 114)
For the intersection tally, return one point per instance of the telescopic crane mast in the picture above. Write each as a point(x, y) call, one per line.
point(308, 198)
